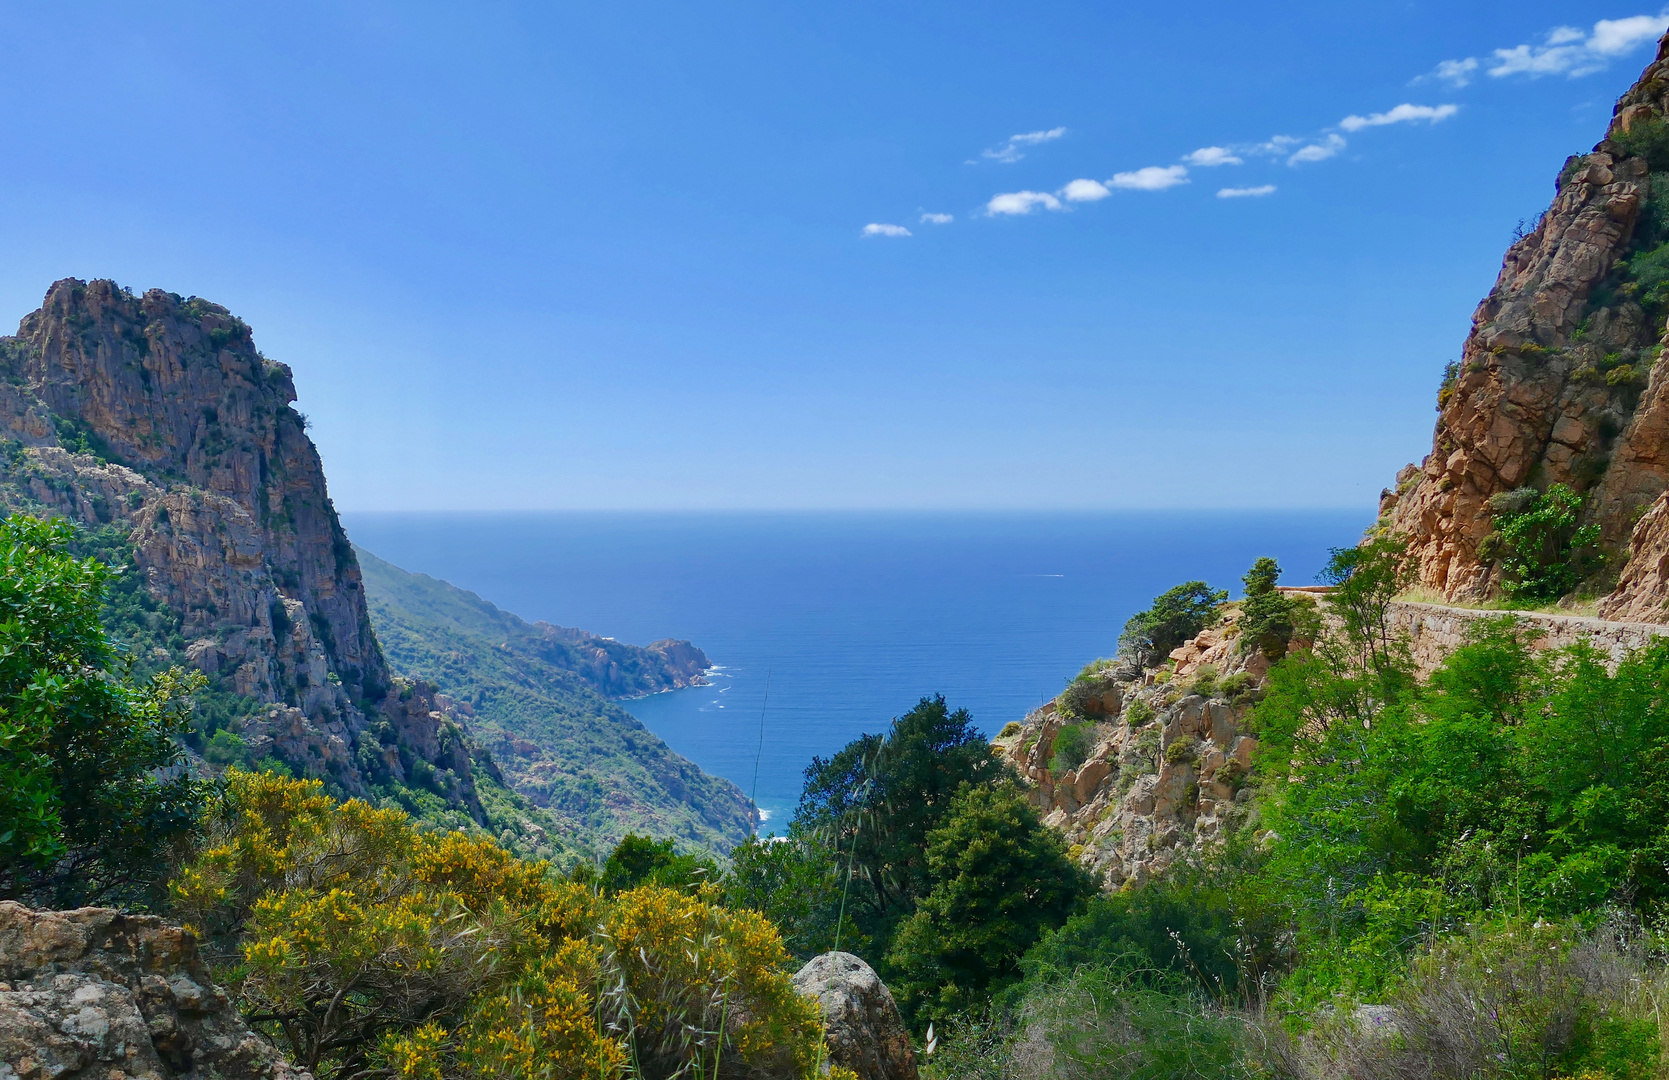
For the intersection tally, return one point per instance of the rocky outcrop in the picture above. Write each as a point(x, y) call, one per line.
point(95, 993)
point(155, 418)
point(864, 1030)
point(1166, 769)
point(1561, 379)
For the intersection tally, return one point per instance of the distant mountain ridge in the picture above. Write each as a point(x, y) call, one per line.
point(536, 696)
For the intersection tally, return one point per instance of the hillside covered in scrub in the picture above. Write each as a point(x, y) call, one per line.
point(538, 698)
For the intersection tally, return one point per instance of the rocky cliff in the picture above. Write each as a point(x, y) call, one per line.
point(1562, 378)
point(155, 422)
point(1161, 762)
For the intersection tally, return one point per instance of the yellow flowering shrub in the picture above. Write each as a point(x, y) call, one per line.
point(368, 947)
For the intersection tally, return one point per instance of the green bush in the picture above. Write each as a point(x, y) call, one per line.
point(1001, 878)
point(1139, 713)
point(1541, 550)
point(1072, 745)
point(1647, 138)
point(88, 808)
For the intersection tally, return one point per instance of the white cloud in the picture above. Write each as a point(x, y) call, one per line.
point(1568, 51)
point(1276, 146)
point(1084, 191)
point(1456, 73)
point(1152, 178)
point(1402, 114)
point(937, 219)
point(1208, 156)
point(1021, 202)
point(1246, 192)
point(1010, 152)
point(877, 229)
point(1318, 151)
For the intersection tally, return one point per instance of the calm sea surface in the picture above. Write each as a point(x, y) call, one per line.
point(846, 618)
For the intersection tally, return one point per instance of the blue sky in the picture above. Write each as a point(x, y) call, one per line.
point(615, 256)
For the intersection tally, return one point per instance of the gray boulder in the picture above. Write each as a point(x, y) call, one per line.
point(96, 993)
point(866, 1033)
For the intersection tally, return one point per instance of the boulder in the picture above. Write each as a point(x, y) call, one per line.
point(865, 1032)
point(96, 993)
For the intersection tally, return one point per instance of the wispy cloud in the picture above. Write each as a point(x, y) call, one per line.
point(1319, 150)
point(937, 219)
point(1456, 73)
point(1209, 156)
point(1013, 150)
point(1021, 202)
point(1564, 50)
point(878, 229)
point(1246, 192)
point(1084, 191)
point(1402, 114)
point(1152, 178)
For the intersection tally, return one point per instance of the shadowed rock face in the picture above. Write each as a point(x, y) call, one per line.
point(1561, 379)
point(95, 993)
point(865, 1032)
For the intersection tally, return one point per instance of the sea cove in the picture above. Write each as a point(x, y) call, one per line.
point(850, 617)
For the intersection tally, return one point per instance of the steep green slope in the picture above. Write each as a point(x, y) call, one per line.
point(535, 694)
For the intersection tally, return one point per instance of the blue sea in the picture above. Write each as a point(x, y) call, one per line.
point(822, 626)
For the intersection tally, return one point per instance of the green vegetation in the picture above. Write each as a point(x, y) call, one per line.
point(1267, 618)
point(999, 881)
point(1177, 614)
point(89, 802)
point(1541, 550)
point(538, 704)
point(1072, 745)
point(1478, 859)
point(1647, 138)
point(366, 947)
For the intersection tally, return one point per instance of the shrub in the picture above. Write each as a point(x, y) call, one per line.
point(1510, 999)
point(1646, 138)
point(88, 809)
point(1541, 550)
point(638, 860)
point(1139, 713)
point(1182, 751)
point(369, 948)
point(1010, 729)
point(1072, 745)
point(1118, 1018)
point(1177, 614)
point(1204, 682)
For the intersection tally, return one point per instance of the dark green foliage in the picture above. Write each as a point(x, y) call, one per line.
point(875, 802)
point(84, 813)
point(1072, 745)
point(1189, 925)
point(796, 883)
point(1647, 138)
point(1000, 880)
point(638, 860)
point(1177, 614)
point(1541, 550)
point(1266, 617)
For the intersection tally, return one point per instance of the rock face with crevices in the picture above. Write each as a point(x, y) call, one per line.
point(864, 1029)
point(1562, 378)
point(94, 993)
